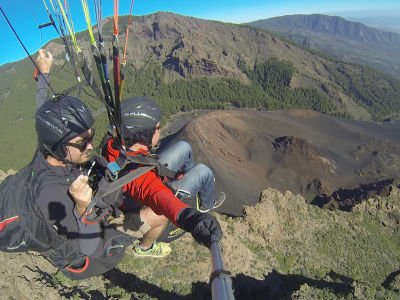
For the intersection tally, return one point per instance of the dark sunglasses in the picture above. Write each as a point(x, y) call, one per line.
point(82, 145)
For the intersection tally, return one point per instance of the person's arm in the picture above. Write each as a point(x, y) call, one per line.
point(44, 63)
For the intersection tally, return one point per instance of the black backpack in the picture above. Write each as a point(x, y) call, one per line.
point(23, 228)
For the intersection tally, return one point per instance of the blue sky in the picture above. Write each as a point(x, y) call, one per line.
point(233, 11)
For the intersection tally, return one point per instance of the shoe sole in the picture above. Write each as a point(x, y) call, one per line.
point(155, 256)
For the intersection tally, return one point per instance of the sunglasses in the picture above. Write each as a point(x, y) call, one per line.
point(82, 145)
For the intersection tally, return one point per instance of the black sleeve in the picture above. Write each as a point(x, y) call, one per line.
point(42, 89)
point(204, 227)
point(57, 208)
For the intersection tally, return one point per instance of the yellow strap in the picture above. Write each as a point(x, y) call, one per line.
point(89, 24)
point(71, 32)
point(45, 5)
point(121, 89)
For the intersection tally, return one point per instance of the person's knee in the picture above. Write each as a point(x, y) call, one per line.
point(150, 218)
point(203, 170)
point(184, 147)
point(160, 220)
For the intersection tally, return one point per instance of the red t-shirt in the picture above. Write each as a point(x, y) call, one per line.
point(149, 190)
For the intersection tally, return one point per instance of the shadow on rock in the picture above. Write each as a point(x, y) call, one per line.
point(390, 281)
point(346, 199)
point(281, 286)
point(131, 283)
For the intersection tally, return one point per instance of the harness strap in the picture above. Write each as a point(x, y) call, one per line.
point(162, 169)
point(105, 209)
point(119, 183)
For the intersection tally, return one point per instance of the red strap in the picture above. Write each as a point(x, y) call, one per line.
point(179, 176)
point(97, 219)
point(83, 269)
point(4, 223)
point(35, 74)
point(127, 35)
point(116, 2)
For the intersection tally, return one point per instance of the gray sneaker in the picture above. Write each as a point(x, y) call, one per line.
point(219, 199)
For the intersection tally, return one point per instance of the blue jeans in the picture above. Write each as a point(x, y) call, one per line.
point(197, 178)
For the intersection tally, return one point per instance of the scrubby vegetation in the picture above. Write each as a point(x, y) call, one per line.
point(283, 248)
point(373, 90)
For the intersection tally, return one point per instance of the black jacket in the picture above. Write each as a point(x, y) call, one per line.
point(102, 247)
point(58, 207)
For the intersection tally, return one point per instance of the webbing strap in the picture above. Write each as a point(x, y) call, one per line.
point(117, 75)
point(100, 60)
point(90, 79)
point(119, 183)
point(162, 169)
point(127, 36)
point(114, 186)
point(88, 22)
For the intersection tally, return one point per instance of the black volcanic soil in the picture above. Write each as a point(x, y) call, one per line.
point(302, 151)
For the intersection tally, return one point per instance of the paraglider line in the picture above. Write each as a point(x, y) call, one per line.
point(16, 35)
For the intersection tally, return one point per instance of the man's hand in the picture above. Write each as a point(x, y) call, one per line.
point(82, 193)
point(44, 61)
point(204, 228)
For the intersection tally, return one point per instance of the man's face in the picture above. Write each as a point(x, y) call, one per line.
point(79, 148)
point(156, 135)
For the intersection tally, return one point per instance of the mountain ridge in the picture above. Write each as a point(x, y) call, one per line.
point(332, 25)
point(347, 40)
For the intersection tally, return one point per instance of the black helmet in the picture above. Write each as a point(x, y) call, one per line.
point(59, 121)
point(139, 118)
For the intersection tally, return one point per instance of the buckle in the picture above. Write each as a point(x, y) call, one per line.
point(114, 169)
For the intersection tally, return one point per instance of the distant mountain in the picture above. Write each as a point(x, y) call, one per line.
point(349, 41)
point(383, 23)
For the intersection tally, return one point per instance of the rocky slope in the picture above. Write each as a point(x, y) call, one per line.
point(282, 248)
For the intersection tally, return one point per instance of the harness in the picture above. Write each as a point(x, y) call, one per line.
point(114, 175)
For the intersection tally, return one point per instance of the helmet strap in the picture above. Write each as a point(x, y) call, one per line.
point(63, 160)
